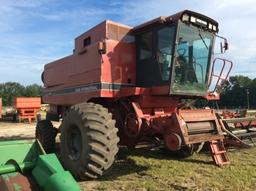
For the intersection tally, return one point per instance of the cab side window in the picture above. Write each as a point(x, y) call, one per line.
point(165, 38)
point(145, 49)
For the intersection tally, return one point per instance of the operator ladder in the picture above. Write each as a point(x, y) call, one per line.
point(219, 153)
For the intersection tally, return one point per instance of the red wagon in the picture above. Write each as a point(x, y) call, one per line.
point(27, 108)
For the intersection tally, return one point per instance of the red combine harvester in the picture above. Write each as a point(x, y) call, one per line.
point(129, 85)
point(27, 108)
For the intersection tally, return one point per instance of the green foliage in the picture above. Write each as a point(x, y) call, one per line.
point(10, 90)
point(33, 90)
point(241, 90)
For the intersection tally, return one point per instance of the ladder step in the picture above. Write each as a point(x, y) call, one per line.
point(219, 153)
point(227, 162)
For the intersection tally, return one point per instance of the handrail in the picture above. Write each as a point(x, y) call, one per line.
point(224, 64)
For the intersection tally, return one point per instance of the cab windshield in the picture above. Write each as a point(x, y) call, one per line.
point(193, 57)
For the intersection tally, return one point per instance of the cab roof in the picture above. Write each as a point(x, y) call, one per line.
point(172, 18)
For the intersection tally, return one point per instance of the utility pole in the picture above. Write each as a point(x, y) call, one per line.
point(248, 101)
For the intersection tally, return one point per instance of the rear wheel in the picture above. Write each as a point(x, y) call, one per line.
point(88, 141)
point(46, 133)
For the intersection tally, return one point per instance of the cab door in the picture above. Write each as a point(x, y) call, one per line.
point(154, 56)
point(146, 60)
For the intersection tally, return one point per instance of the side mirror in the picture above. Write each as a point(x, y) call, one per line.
point(102, 47)
point(224, 46)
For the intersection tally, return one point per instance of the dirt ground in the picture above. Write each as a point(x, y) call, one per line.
point(17, 131)
point(149, 169)
point(11, 131)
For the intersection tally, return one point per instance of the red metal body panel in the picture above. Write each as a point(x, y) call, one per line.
point(79, 96)
point(97, 33)
point(119, 63)
point(52, 70)
point(87, 67)
point(162, 115)
point(70, 99)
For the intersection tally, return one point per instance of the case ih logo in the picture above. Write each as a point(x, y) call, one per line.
point(88, 88)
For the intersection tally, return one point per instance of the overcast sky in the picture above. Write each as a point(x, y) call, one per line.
point(35, 32)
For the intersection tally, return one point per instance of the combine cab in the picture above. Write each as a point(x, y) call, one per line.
point(128, 85)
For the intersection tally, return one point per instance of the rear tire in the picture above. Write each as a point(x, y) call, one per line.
point(46, 133)
point(88, 141)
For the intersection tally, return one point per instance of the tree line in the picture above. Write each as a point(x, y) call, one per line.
point(10, 90)
point(240, 93)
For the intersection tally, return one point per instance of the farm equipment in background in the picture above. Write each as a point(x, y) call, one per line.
point(239, 127)
point(26, 108)
point(23, 108)
point(25, 166)
point(129, 85)
point(8, 113)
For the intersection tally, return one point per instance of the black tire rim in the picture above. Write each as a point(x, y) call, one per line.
point(74, 142)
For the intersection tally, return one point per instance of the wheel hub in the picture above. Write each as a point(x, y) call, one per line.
point(173, 141)
point(132, 125)
point(74, 142)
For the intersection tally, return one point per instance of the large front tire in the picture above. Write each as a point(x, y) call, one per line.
point(88, 141)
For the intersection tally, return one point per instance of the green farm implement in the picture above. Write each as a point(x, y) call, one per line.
point(25, 166)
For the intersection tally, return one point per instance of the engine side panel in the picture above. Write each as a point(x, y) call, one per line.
point(87, 73)
point(119, 63)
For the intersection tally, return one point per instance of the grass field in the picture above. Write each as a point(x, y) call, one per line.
point(143, 169)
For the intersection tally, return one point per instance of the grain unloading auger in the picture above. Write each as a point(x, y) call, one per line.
point(24, 166)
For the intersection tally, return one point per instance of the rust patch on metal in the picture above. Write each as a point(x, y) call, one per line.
point(16, 182)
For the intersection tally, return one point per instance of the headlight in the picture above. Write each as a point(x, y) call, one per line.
point(185, 18)
point(193, 19)
point(201, 22)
